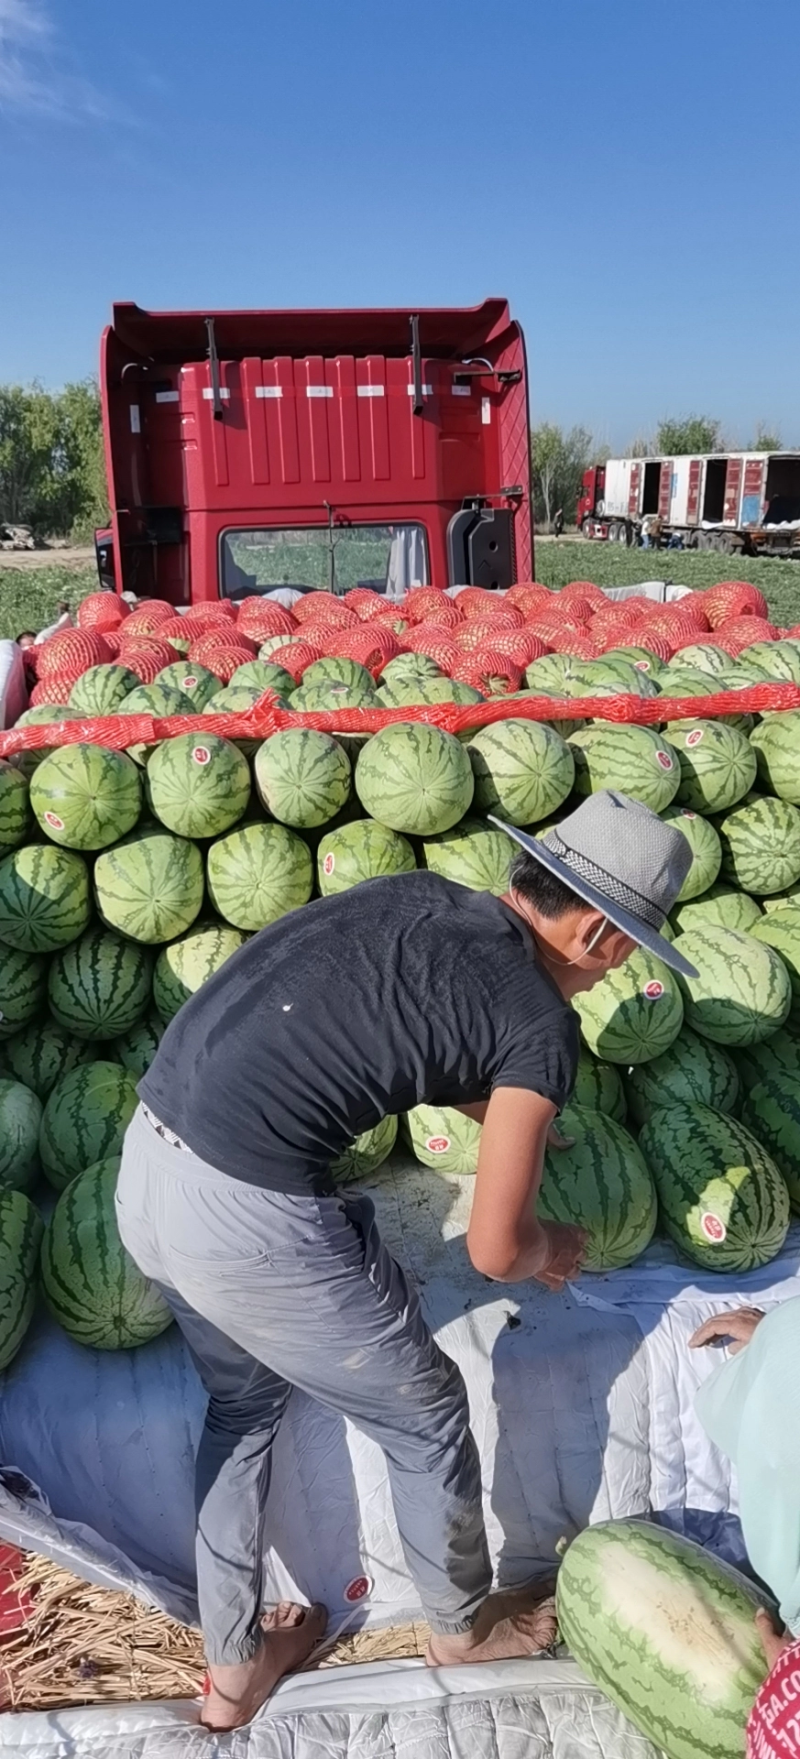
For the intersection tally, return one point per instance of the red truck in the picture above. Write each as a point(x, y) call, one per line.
point(249, 450)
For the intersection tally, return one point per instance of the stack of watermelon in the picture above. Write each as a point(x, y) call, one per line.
point(129, 877)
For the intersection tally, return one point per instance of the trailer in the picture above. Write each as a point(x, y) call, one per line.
point(745, 503)
point(251, 450)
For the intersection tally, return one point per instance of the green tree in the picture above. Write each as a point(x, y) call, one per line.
point(558, 461)
point(690, 433)
point(51, 459)
point(765, 441)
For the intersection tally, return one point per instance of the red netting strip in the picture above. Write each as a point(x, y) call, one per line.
point(265, 717)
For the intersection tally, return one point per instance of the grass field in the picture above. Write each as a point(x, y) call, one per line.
point(28, 597)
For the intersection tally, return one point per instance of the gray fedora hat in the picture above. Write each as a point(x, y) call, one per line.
point(620, 858)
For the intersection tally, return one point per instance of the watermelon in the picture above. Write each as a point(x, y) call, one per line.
point(47, 714)
point(615, 677)
point(599, 1086)
point(760, 844)
point(194, 683)
point(257, 872)
point(777, 1055)
point(523, 771)
point(85, 1119)
point(311, 698)
point(260, 675)
point(703, 656)
point(633, 1014)
point(742, 992)
point(85, 796)
point(405, 692)
point(198, 785)
point(15, 807)
point(40, 1054)
point(182, 966)
point(776, 743)
point(91, 1284)
point(415, 779)
point(100, 985)
point(550, 675)
point(150, 886)
point(136, 1049)
point(667, 1632)
point(20, 1123)
point(722, 1199)
point(336, 671)
point(443, 1138)
point(771, 1111)
point(717, 764)
point(302, 777)
point(368, 1152)
point(45, 899)
point(780, 929)
point(783, 900)
point(600, 1183)
point(705, 846)
point(473, 854)
point(20, 1239)
point(101, 690)
point(640, 657)
point(779, 659)
point(409, 666)
point(721, 906)
point(160, 699)
point(233, 699)
point(692, 1071)
point(633, 759)
point(23, 987)
point(360, 851)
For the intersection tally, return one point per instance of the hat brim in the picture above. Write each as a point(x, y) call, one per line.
point(631, 925)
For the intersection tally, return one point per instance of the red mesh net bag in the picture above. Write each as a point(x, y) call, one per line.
point(53, 690)
point(584, 589)
point(333, 614)
point(441, 650)
point(113, 641)
point(520, 645)
point(371, 646)
point(147, 659)
point(176, 628)
point(308, 606)
point(733, 598)
point(580, 610)
point(259, 618)
point(580, 646)
point(210, 615)
point(145, 619)
point(692, 605)
point(223, 658)
point(416, 639)
point(204, 648)
point(69, 649)
point(426, 604)
point(296, 656)
point(532, 601)
point(478, 632)
point(658, 645)
point(492, 673)
point(102, 611)
point(364, 602)
point(476, 601)
point(550, 629)
point(741, 632)
point(680, 631)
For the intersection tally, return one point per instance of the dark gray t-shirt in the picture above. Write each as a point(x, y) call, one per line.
point(399, 992)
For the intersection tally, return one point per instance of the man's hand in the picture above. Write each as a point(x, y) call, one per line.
point(505, 1240)
point(566, 1246)
point(772, 1643)
point(737, 1326)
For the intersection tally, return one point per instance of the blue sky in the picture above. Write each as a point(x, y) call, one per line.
point(626, 173)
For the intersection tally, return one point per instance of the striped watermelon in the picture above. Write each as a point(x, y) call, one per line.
point(261, 675)
point(101, 690)
point(360, 851)
point(23, 987)
point(194, 682)
point(776, 743)
point(599, 1086)
point(783, 900)
point(100, 985)
point(258, 872)
point(368, 1152)
point(633, 759)
point(409, 665)
point(742, 992)
point(443, 1138)
point(705, 846)
point(703, 656)
point(45, 899)
point(47, 714)
point(633, 1014)
point(40, 1054)
point(20, 1123)
point(15, 811)
point(473, 854)
point(615, 677)
point(414, 778)
point(302, 777)
point(780, 659)
point(198, 785)
point(771, 1110)
point(150, 886)
point(780, 929)
point(643, 658)
point(327, 694)
point(136, 1049)
point(91, 1284)
point(668, 1634)
point(158, 700)
point(602, 1184)
point(523, 771)
point(721, 907)
point(20, 1239)
point(185, 964)
point(85, 1119)
point(760, 844)
point(722, 1198)
point(777, 1055)
point(692, 1071)
point(551, 674)
point(717, 764)
point(336, 671)
point(85, 796)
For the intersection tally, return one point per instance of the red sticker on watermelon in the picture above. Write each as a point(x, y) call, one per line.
point(653, 990)
point(438, 1144)
point(329, 864)
point(713, 1228)
point(201, 754)
point(685, 813)
point(188, 684)
point(52, 819)
point(358, 1589)
point(693, 738)
point(642, 665)
point(664, 759)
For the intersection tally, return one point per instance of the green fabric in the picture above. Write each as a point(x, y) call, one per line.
point(750, 1408)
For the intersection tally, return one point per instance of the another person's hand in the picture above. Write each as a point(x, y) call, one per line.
point(737, 1327)
point(556, 1140)
point(566, 1247)
point(772, 1642)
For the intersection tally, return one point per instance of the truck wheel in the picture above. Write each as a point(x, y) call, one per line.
point(726, 543)
point(587, 527)
point(705, 540)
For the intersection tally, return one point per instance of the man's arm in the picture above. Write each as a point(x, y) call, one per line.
point(505, 1240)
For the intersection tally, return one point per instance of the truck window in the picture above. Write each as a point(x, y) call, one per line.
point(389, 558)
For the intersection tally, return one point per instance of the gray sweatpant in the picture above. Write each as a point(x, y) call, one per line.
point(274, 1291)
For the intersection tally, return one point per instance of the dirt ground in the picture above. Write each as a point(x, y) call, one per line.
point(78, 556)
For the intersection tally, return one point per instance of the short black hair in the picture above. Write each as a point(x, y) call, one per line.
point(543, 889)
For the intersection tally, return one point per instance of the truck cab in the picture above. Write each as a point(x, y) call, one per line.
point(247, 451)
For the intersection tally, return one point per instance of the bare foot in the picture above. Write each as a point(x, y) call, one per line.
point(236, 1693)
point(518, 1623)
